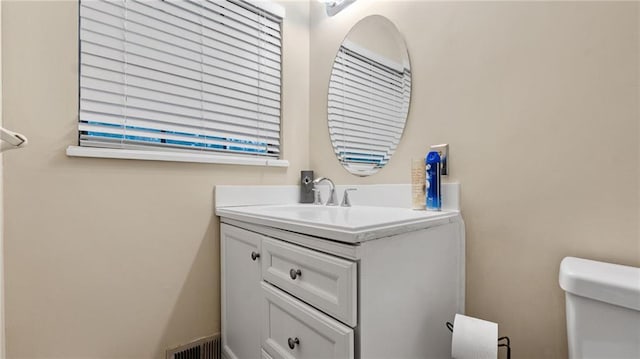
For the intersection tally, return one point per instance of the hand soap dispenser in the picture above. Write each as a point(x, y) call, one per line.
point(306, 186)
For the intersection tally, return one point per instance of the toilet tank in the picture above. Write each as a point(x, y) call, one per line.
point(603, 308)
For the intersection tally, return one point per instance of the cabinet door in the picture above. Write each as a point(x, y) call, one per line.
point(292, 329)
point(241, 294)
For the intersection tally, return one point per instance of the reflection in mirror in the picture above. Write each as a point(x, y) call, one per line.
point(369, 93)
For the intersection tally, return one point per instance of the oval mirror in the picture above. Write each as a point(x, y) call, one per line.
point(369, 93)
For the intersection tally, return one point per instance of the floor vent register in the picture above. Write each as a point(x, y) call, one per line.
point(203, 348)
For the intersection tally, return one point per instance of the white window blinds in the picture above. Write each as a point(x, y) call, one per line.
point(367, 107)
point(199, 76)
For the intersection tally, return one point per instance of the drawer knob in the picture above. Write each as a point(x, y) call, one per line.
point(255, 255)
point(293, 342)
point(295, 273)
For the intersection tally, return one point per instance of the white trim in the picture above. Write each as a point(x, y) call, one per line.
point(77, 151)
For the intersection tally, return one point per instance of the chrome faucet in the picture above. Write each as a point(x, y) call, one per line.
point(333, 199)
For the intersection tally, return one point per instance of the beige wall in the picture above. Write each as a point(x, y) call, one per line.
point(535, 98)
point(112, 258)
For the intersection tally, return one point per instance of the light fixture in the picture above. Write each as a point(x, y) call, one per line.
point(335, 6)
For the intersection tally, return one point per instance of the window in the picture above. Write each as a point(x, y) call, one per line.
point(180, 80)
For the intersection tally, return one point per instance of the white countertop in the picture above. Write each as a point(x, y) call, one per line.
point(345, 224)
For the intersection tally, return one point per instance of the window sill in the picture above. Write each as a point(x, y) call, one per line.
point(77, 151)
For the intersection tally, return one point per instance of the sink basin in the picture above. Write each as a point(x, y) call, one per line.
point(346, 224)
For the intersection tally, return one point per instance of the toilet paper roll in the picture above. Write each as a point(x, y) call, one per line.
point(474, 338)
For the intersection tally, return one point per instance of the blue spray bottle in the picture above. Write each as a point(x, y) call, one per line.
point(434, 196)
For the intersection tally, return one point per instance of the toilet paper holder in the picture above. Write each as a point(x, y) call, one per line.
point(502, 341)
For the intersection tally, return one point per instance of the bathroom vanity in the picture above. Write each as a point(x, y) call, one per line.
point(305, 281)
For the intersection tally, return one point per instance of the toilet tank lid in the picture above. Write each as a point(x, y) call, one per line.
point(606, 282)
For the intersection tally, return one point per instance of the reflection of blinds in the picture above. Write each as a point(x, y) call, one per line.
point(368, 104)
point(180, 75)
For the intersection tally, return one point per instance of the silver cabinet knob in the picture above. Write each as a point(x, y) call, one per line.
point(293, 342)
point(295, 273)
point(255, 255)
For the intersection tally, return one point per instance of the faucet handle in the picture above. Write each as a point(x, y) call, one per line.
point(346, 201)
point(317, 198)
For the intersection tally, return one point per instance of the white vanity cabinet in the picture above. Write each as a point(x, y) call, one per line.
point(259, 315)
point(378, 293)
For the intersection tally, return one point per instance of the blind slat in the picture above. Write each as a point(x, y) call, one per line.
point(358, 82)
point(339, 91)
point(370, 106)
point(106, 142)
point(116, 108)
point(152, 15)
point(109, 92)
point(170, 63)
point(247, 16)
point(186, 36)
point(193, 89)
point(359, 65)
point(188, 126)
point(190, 98)
point(170, 136)
point(250, 20)
point(340, 123)
point(99, 63)
point(380, 121)
point(213, 21)
point(364, 148)
point(342, 135)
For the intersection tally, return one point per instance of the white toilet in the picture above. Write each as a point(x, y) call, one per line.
point(603, 308)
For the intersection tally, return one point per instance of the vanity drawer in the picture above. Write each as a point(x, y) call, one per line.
point(293, 329)
point(324, 281)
